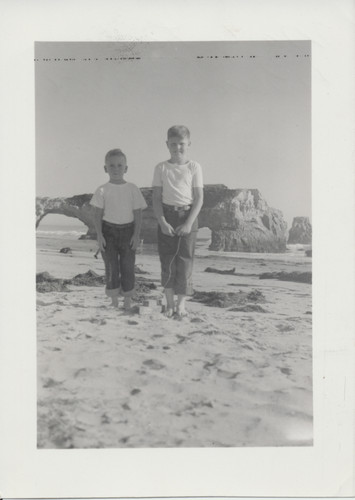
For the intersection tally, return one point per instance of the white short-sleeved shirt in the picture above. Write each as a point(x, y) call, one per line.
point(177, 181)
point(118, 201)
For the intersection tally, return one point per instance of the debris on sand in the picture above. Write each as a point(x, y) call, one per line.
point(138, 270)
point(296, 276)
point(45, 282)
point(248, 308)
point(228, 299)
point(228, 271)
point(65, 250)
point(142, 290)
point(219, 271)
point(90, 278)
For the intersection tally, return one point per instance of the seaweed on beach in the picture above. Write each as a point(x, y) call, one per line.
point(143, 289)
point(45, 283)
point(228, 299)
point(90, 278)
point(248, 308)
point(219, 271)
point(298, 277)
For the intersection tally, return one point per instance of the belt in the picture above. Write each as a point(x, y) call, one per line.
point(118, 226)
point(173, 208)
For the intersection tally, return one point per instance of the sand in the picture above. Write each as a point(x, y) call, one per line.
point(218, 378)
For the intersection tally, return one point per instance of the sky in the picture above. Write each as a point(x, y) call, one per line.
point(247, 105)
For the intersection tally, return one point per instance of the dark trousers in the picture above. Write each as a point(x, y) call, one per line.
point(119, 259)
point(177, 254)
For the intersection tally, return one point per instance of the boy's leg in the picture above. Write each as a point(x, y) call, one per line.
point(170, 303)
point(180, 306)
point(184, 265)
point(110, 257)
point(127, 261)
point(167, 247)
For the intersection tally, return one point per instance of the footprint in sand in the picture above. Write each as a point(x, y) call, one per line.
point(80, 371)
point(226, 374)
point(196, 320)
point(153, 364)
point(132, 322)
point(124, 440)
point(285, 371)
point(50, 382)
point(97, 321)
point(285, 328)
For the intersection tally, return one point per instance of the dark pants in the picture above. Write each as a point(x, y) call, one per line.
point(119, 259)
point(177, 253)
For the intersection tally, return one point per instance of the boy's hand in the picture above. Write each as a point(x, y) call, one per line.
point(134, 242)
point(102, 243)
point(167, 229)
point(183, 229)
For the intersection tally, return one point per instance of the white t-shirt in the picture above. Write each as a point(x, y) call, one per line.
point(118, 201)
point(177, 181)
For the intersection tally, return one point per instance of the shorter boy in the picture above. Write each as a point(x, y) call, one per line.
point(177, 201)
point(117, 218)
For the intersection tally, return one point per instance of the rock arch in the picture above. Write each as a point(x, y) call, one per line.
point(239, 219)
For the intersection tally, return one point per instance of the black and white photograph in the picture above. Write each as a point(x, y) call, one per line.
point(177, 260)
point(199, 334)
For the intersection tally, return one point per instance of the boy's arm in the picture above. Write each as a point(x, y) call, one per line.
point(158, 211)
point(197, 203)
point(137, 214)
point(98, 214)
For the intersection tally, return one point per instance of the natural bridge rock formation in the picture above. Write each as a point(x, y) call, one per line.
point(301, 231)
point(239, 219)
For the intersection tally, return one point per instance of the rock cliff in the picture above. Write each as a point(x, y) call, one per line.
point(239, 219)
point(301, 231)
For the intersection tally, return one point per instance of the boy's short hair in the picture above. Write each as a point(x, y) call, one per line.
point(114, 152)
point(179, 131)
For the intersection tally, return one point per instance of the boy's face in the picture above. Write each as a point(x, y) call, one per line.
point(178, 148)
point(116, 167)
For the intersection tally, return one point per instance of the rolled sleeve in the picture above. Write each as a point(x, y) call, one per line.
point(138, 199)
point(197, 178)
point(97, 199)
point(157, 177)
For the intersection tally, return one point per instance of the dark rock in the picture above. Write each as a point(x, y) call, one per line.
point(308, 253)
point(65, 250)
point(240, 219)
point(301, 231)
point(295, 276)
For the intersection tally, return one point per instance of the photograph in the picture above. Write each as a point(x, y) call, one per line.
point(173, 244)
point(177, 262)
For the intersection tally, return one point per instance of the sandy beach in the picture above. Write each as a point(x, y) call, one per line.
point(239, 375)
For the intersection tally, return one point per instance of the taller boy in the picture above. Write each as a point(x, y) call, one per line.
point(177, 201)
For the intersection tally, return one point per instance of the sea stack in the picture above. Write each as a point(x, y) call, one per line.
point(301, 231)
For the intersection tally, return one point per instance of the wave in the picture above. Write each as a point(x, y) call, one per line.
point(66, 233)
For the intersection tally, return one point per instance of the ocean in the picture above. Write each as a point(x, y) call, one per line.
point(64, 234)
